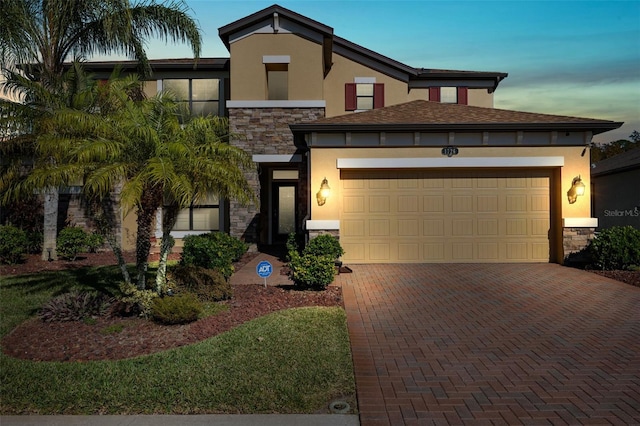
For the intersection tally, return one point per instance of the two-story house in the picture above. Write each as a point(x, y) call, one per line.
point(404, 164)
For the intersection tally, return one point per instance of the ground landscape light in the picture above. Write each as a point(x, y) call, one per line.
point(577, 189)
point(324, 192)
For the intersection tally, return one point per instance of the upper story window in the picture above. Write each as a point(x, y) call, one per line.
point(200, 96)
point(364, 94)
point(277, 68)
point(449, 95)
point(277, 82)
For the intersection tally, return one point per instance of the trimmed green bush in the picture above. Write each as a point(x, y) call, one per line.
point(209, 285)
point(615, 248)
point(93, 242)
point(232, 245)
point(13, 244)
point(71, 241)
point(179, 309)
point(310, 271)
point(132, 301)
point(75, 306)
point(324, 245)
point(215, 250)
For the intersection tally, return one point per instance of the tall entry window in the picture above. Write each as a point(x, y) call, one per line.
point(201, 96)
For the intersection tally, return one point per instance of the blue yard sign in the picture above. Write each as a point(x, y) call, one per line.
point(264, 270)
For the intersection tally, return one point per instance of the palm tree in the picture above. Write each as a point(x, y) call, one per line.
point(38, 36)
point(140, 146)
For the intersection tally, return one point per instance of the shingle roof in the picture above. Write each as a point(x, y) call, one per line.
point(421, 114)
point(624, 161)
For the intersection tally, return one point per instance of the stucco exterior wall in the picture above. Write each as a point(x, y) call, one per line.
point(323, 164)
point(248, 72)
point(616, 199)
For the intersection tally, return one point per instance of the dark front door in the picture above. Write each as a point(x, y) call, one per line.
point(284, 211)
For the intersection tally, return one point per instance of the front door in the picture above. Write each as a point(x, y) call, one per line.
point(284, 211)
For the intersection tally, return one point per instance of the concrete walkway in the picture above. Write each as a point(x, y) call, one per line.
point(492, 344)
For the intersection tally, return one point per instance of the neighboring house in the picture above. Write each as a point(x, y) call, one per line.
point(614, 185)
point(404, 164)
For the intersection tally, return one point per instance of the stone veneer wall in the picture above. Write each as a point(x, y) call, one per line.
point(265, 131)
point(576, 239)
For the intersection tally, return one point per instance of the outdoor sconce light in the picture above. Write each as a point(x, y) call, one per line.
point(325, 191)
point(577, 190)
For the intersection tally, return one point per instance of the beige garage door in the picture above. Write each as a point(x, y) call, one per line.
point(445, 216)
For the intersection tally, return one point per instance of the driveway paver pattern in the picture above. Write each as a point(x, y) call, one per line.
point(492, 344)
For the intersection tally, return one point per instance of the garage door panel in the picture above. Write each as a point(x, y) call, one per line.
point(445, 216)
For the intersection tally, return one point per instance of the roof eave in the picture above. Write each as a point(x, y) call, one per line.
point(440, 127)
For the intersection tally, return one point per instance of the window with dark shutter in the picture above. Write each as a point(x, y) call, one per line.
point(378, 95)
point(434, 94)
point(350, 99)
point(463, 96)
point(363, 96)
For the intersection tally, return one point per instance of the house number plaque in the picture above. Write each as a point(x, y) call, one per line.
point(450, 151)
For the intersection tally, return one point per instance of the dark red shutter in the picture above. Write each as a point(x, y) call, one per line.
point(378, 95)
point(350, 103)
point(462, 96)
point(434, 94)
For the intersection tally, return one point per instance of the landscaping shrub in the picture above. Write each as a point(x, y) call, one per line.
point(324, 245)
point(310, 271)
point(209, 285)
point(71, 241)
point(93, 242)
point(215, 250)
point(179, 309)
point(615, 248)
point(13, 244)
point(132, 301)
point(232, 245)
point(75, 306)
point(27, 214)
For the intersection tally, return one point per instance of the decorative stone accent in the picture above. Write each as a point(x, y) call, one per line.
point(317, 232)
point(576, 239)
point(265, 131)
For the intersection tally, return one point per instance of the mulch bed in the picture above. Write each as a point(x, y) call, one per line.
point(77, 341)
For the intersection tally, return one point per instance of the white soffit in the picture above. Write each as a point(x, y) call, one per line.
point(323, 225)
point(579, 222)
point(284, 158)
point(417, 163)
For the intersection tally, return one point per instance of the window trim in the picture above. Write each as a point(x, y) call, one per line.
point(351, 94)
point(190, 102)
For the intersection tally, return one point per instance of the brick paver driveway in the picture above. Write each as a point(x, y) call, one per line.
point(493, 344)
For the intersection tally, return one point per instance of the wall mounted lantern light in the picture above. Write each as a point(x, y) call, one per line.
point(576, 190)
point(325, 191)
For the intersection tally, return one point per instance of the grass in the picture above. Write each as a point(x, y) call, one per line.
point(293, 361)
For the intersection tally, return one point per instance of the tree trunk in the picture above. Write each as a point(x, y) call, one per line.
point(50, 230)
point(169, 217)
point(150, 202)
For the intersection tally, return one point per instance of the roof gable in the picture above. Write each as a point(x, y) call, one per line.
point(277, 19)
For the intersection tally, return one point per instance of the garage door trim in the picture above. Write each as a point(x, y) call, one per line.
point(429, 162)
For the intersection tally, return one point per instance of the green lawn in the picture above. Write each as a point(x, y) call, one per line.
point(293, 361)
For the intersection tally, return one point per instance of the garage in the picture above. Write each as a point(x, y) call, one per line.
point(445, 215)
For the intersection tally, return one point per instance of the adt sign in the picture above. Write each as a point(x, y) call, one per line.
point(264, 269)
